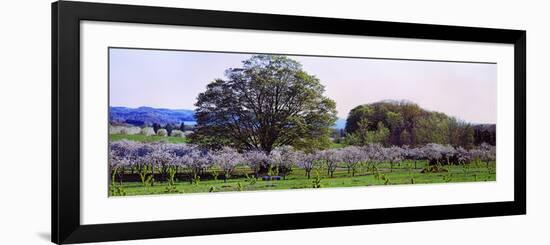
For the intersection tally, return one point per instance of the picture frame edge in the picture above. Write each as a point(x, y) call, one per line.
point(65, 183)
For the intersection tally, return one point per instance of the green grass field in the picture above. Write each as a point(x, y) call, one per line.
point(144, 138)
point(297, 180)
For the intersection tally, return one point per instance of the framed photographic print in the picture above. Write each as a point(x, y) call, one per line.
point(176, 122)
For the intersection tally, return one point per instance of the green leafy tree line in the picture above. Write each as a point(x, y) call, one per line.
point(405, 123)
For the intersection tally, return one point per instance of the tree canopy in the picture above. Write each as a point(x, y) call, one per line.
point(404, 123)
point(268, 102)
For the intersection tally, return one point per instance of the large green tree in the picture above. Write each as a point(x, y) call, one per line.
point(268, 102)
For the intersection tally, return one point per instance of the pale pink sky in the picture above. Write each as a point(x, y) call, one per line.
point(173, 79)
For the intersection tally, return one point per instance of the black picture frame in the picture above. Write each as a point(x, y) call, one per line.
point(66, 17)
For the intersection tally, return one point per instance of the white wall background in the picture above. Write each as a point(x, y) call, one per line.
point(25, 121)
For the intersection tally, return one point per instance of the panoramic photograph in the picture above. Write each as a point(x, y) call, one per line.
point(202, 122)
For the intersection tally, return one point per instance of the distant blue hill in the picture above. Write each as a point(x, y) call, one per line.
point(149, 115)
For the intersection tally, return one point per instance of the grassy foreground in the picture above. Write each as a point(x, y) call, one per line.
point(403, 174)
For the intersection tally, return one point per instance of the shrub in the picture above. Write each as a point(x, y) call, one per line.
point(316, 183)
point(148, 131)
point(130, 130)
point(162, 132)
point(114, 129)
point(177, 133)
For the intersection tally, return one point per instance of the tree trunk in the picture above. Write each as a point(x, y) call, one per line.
point(152, 175)
point(120, 176)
